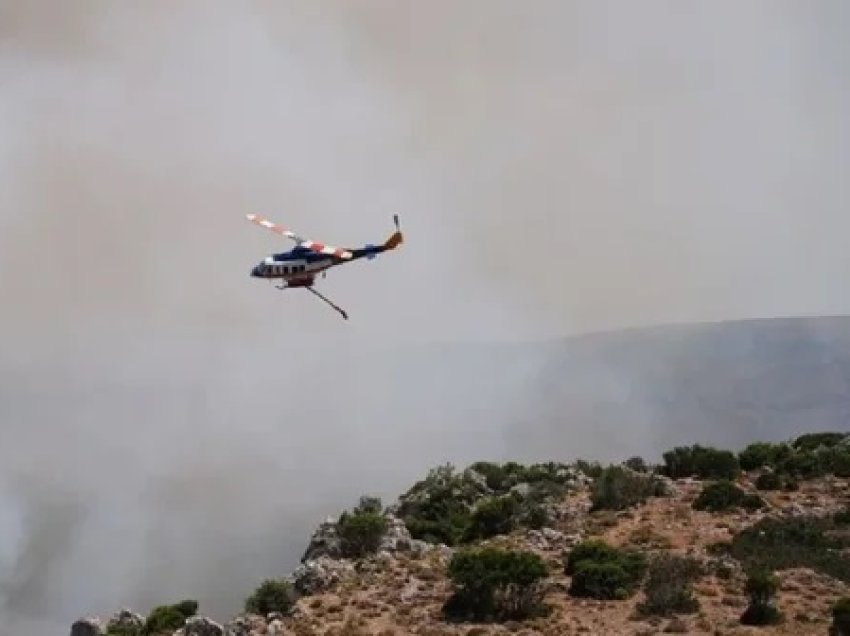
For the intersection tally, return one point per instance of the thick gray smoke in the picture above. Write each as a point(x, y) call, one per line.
point(173, 429)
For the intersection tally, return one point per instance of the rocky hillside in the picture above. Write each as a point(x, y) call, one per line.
point(710, 541)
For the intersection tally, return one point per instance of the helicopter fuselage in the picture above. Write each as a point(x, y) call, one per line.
point(301, 265)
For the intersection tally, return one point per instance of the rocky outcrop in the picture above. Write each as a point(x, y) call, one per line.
point(322, 566)
point(324, 542)
point(125, 620)
point(321, 575)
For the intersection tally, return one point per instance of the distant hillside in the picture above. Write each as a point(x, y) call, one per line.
point(724, 383)
point(641, 390)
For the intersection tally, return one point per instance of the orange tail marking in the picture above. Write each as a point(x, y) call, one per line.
point(394, 241)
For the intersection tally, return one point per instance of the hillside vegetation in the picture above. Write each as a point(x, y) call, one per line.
point(710, 541)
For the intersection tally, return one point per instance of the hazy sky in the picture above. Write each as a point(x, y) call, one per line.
point(558, 167)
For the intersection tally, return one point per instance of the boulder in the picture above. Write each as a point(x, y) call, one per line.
point(276, 628)
point(200, 626)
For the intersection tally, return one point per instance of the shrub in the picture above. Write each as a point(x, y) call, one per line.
point(842, 517)
point(541, 491)
point(500, 478)
point(371, 505)
point(700, 461)
point(604, 581)
point(273, 595)
point(637, 464)
point(590, 550)
point(619, 487)
point(813, 441)
point(591, 469)
point(535, 517)
point(167, 618)
point(493, 516)
point(841, 617)
point(724, 495)
point(360, 532)
point(437, 509)
point(761, 587)
point(789, 484)
point(752, 502)
point(760, 454)
point(493, 584)
point(602, 571)
point(769, 481)
point(816, 456)
point(482, 501)
point(669, 586)
point(797, 542)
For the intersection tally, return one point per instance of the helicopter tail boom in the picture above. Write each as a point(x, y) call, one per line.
point(396, 239)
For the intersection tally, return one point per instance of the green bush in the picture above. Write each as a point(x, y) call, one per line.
point(500, 478)
point(360, 532)
point(724, 495)
point(495, 585)
point(167, 618)
point(437, 509)
point(591, 469)
point(797, 542)
point(700, 461)
point(535, 517)
point(814, 441)
point(761, 454)
point(451, 507)
point(619, 487)
point(367, 504)
point(841, 617)
point(493, 516)
point(601, 571)
point(752, 502)
point(604, 581)
point(761, 587)
point(669, 586)
point(273, 595)
point(815, 457)
point(769, 481)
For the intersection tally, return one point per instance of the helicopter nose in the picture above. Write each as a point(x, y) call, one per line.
point(255, 271)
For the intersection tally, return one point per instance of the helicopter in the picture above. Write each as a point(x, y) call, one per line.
point(298, 268)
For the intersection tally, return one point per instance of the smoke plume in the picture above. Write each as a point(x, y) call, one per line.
point(173, 429)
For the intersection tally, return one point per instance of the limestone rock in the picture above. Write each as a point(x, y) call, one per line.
point(245, 625)
point(321, 575)
point(200, 626)
point(397, 537)
point(325, 542)
point(126, 620)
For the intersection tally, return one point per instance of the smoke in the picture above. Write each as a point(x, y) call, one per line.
point(174, 429)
